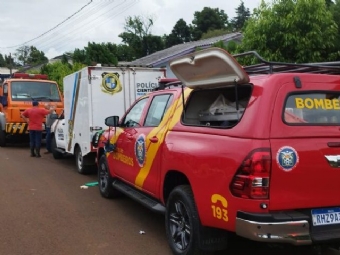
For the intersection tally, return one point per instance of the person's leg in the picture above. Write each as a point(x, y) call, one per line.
point(32, 142)
point(48, 140)
point(38, 143)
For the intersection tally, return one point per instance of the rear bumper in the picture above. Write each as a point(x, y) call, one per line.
point(290, 227)
point(291, 232)
point(19, 128)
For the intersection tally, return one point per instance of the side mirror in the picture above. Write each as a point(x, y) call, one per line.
point(112, 121)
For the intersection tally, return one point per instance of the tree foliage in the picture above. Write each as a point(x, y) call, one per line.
point(208, 19)
point(242, 15)
point(30, 55)
point(137, 35)
point(2, 61)
point(292, 31)
point(96, 53)
point(58, 70)
point(179, 34)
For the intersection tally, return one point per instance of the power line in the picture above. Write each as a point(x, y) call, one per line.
point(96, 25)
point(73, 27)
point(51, 28)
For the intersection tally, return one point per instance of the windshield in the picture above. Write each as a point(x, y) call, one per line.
point(32, 90)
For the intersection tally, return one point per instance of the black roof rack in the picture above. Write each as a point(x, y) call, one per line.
point(269, 67)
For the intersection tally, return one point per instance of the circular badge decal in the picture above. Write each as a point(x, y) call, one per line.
point(111, 83)
point(140, 150)
point(287, 158)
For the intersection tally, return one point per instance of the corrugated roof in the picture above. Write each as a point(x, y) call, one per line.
point(181, 49)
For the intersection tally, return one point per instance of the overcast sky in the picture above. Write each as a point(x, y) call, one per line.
point(57, 26)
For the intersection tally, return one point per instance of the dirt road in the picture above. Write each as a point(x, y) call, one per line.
point(44, 211)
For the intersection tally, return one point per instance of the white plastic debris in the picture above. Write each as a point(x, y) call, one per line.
point(142, 232)
point(84, 187)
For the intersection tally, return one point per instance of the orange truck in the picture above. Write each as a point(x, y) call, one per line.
point(17, 92)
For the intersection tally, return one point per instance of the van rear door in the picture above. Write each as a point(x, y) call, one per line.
point(305, 146)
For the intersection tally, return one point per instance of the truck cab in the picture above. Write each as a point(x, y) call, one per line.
point(16, 95)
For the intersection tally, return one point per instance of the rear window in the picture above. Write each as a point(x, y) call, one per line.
point(317, 108)
point(221, 108)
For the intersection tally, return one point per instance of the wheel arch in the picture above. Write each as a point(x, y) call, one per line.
point(172, 179)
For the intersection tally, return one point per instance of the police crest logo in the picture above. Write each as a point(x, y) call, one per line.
point(140, 150)
point(111, 83)
point(287, 158)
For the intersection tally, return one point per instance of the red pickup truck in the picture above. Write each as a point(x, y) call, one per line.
point(255, 152)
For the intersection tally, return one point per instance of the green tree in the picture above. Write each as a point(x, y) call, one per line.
point(100, 53)
point(137, 36)
point(125, 53)
point(2, 61)
point(329, 3)
point(335, 9)
point(208, 19)
point(30, 55)
point(242, 15)
point(291, 31)
point(58, 70)
point(36, 56)
point(179, 34)
point(79, 56)
point(95, 53)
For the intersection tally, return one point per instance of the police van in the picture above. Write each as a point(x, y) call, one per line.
point(90, 95)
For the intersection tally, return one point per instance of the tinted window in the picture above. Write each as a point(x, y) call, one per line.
point(313, 108)
point(157, 109)
point(132, 119)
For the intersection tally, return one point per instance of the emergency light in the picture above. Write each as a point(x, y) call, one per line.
point(30, 76)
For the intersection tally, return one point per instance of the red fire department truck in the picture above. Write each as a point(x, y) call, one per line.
point(254, 152)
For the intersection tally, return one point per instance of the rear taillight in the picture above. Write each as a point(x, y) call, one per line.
point(252, 178)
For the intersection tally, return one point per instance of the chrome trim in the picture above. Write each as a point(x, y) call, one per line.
point(333, 160)
point(292, 232)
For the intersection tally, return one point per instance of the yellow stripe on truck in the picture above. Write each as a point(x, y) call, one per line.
point(23, 128)
point(171, 118)
point(16, 128)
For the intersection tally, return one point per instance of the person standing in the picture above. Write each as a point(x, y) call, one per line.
point(35, 117)
point(49, 122)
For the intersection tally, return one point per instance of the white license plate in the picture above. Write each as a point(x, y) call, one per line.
point(322, 217)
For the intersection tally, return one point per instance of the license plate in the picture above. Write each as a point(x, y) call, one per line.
point(322, 217)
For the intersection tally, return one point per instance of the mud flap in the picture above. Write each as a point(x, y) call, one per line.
point(213, 239)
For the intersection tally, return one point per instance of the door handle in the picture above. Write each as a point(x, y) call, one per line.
point(153, 139)
point(333, 144)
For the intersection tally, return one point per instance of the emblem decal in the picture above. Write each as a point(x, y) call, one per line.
point(287, 158)
point(111, 83)
point(140, 150)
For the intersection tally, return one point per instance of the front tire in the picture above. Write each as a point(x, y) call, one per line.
point(2, 138)
point(182, 222)
point(56, 154)
point(105, 180)
point(81, 167)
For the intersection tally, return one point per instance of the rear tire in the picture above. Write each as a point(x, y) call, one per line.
point(105, 180)
point(2, 138)
point(182, 222)
point(81, 168)
point(56, 154)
